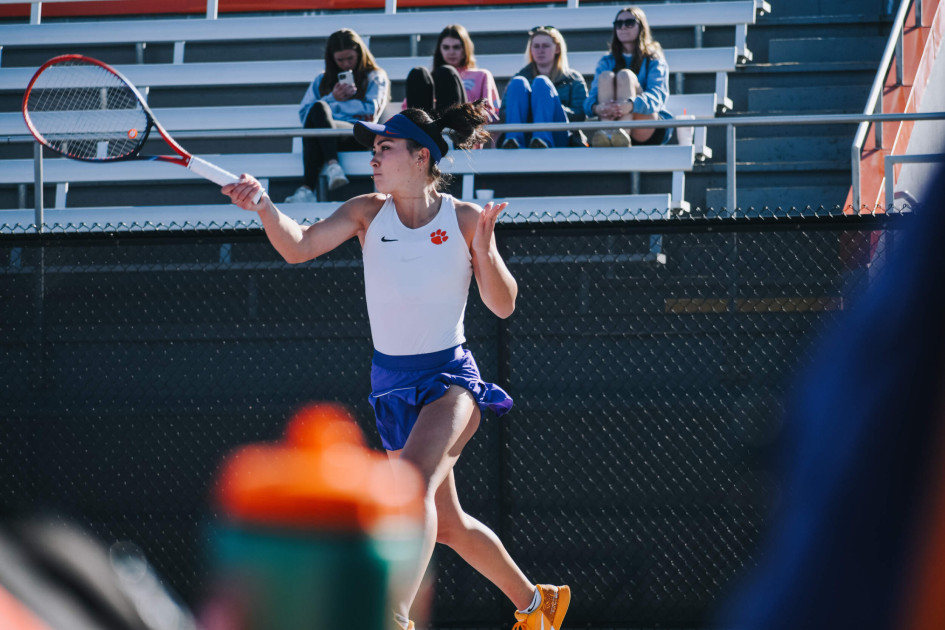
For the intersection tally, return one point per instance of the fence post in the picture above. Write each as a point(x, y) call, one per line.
point(730, 199)
point(38, 186)
point(899, 71)
point(504, 376)
point(855, 165)
point(390, 6)
point(878, 124)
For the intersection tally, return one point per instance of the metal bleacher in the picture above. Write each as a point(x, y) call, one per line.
point(283, 166)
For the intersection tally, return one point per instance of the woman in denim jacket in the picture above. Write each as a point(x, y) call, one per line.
point(630, 83)
point(330, 103)
point(545, 90)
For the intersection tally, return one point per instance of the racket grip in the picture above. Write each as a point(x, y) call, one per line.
point(215, 174)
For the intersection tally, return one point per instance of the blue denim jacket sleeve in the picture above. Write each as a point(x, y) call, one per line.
point(311, 95)
point(654, 79)
point(573, 95)
point(370, 108)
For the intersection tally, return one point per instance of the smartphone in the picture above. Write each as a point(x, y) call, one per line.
point(346, 76)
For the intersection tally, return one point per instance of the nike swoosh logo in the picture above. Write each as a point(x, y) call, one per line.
point(384, 239)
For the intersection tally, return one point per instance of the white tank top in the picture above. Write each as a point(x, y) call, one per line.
point(416, 281)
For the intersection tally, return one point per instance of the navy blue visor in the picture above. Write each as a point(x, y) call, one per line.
point(398, 126)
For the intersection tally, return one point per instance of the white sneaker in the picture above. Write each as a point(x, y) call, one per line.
point(335, 174)
point(601, 139)
point(302, 195)
point(620, 138)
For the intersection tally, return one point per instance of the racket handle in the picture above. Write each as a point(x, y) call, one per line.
point(215, 174)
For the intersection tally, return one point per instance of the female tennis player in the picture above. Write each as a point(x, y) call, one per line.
point(420, 249)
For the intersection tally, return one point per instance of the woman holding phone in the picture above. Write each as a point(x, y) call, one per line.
point(352, 88)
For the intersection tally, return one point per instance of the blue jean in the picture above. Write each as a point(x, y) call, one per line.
point(538, 102)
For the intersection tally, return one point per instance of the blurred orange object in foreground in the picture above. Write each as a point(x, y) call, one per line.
point(322, 476)
point(315, 530)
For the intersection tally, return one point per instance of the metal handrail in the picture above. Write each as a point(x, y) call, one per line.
point(893, 49)
point(729, 122)
point(726, 121)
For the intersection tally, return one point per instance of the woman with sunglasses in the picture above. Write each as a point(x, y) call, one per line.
point(420, 249)
point(630, 83)
point(455, 77)
point(545, 90)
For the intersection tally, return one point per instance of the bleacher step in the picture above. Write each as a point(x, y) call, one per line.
point(774, 197)
point(794, 148)
point(839, 98)
point(824, 8)
point(817, 49)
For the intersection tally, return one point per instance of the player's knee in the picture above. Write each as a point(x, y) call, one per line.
point(450, 525)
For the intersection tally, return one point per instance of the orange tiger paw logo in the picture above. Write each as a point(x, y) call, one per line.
point(438, 237)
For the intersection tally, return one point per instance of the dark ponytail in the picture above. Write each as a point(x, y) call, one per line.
point(464, 122)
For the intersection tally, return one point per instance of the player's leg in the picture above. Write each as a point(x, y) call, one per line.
point(479, 546)
point(437, 438)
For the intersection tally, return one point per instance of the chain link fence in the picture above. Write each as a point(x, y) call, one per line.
point(649, 362)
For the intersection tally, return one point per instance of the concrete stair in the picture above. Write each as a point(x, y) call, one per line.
point(811, 57)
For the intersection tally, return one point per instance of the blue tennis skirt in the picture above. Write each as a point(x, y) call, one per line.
point(403, 385)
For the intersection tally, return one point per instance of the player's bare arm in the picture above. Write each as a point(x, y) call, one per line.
point(297, 243)
point(497, 287)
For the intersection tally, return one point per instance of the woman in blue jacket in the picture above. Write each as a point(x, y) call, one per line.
point(545, 90)
point(630, 83)
point(331, 102)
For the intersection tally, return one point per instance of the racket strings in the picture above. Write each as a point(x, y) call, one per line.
point(86, 112)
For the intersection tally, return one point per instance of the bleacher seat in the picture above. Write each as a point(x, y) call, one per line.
point(737, 13)
point(674, 159)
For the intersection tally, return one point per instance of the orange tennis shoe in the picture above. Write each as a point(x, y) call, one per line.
point(550, 613)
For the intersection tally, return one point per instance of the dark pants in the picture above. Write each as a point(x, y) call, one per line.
point(317, 151)
point(434, 93)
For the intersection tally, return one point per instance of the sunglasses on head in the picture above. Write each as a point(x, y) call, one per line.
point(535, 29)
point(628, 23)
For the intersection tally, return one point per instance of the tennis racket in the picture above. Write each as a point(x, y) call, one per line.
point(86, 110)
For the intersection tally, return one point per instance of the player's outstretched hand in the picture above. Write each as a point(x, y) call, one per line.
point(242, 193)
point(482, 240)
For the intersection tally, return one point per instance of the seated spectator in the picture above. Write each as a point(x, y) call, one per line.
point(454, 79)
point(630, 83)
point(333, 103)
point(545, 90)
